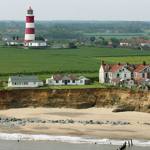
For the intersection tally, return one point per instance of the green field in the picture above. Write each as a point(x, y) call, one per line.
point(127, 59)
point(84, 61)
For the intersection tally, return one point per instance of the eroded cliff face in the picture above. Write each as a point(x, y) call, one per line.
point(79, 98)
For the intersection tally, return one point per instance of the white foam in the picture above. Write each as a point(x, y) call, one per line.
point(68, 139)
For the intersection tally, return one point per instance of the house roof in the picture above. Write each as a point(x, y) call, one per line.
point(112, 67)
point(124, 41)
point(68, 77)
point(82, 77)
point(131, 67)
point(24, 78)
point(115, 68)
point(106, 67)
point(16, 41)
point(140, 68)
point(64, 77)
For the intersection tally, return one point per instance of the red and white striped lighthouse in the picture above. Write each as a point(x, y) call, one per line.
point(30, 26)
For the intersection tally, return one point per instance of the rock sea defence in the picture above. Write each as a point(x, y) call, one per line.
point(124, 100)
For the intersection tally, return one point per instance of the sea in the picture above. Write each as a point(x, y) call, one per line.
point(46, 142)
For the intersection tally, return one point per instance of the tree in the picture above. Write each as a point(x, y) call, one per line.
point(92, 39)
point(72, 45)
point(40, 38)
point(115, 42)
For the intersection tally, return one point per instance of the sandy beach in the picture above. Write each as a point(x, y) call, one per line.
point(138, 127)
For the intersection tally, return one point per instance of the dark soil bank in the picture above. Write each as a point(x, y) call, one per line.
point(78, 98)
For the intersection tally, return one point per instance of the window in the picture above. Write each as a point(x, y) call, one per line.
point(106, 75)
point(132, 75)
point(25, 83)
point(81, 81)
point(118, 75)
point(125, 75)
point(57, 81)
point(73, 81)
point(68, 81)
point(143, 75)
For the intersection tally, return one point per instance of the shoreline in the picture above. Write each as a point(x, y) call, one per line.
point(69, 139)
point(99, 123)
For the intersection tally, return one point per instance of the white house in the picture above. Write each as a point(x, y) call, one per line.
point(120, 72)
point(24, 82)
point(36, 44)
point(124, 44)
point(145, 43)
point(124, 74)
point(114, 73)
point(14, 43)
point(142, 71)
point(67, 80)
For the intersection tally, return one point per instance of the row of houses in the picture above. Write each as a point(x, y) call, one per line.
point(135, 42)
point(125, 74)
point(26, 81)
point(128, 75)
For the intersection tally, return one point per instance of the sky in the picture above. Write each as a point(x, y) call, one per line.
point(134, 10)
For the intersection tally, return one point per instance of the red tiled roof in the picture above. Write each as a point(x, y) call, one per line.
point(140, 68)
point(145, 41)
point(112, 68)
point(115, 68)
point(131, 67)
point(125, 41)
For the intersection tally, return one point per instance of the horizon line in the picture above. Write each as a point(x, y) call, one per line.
point(80, 20)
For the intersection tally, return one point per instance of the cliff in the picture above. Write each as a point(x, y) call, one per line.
point(78, 98)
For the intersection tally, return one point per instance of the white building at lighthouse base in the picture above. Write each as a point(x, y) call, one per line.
point(36, 44)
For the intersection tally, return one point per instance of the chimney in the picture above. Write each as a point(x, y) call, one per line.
point(144, 63)
point(119, 63)
point(102, 62)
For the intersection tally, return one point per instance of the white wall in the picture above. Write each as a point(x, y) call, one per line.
point(37, 44)
point(124, 74)
point(23, 85)
point(50, 81)
point(101, 75)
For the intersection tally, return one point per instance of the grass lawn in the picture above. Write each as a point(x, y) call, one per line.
point(85, 60)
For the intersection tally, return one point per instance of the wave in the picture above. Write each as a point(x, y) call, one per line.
point(69, 139)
